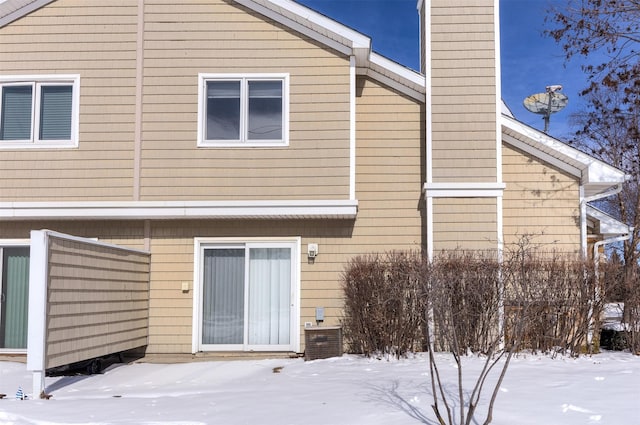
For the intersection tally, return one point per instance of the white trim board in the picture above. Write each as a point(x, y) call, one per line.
point(463, 190)
point(179, 209)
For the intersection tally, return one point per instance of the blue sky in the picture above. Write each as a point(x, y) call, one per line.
point(530, 61)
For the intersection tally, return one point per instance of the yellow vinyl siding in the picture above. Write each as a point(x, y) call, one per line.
point(540, 201)
point(172, 248)
point(389, 217)
point(97, 42)
point(463, 91)
point(218, 37)
point(389, 170)
point(465, 223)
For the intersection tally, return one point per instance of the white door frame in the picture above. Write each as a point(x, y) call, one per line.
point(200, 244)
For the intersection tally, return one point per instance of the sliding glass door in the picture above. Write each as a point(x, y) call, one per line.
point(14, 297)
point(247, 296)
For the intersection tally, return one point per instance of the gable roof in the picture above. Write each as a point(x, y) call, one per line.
point(596, 176)
point(343, 39)
point(306, 21)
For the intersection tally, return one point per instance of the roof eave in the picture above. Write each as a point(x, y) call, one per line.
point(596, 176)
point(609, 226)
point(344, 40)
point(13, 10)
point(172, 210)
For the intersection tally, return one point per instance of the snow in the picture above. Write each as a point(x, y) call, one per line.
point(353, 390)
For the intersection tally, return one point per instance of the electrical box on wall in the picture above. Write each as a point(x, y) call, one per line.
point(319, 314)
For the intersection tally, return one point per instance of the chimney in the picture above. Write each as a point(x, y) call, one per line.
point(460, 59)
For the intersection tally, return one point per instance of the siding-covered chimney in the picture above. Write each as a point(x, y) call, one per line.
point(460, 58)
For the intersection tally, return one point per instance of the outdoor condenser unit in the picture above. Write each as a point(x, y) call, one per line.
point(322, 342)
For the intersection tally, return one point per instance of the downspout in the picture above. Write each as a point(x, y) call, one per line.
point(584, 200)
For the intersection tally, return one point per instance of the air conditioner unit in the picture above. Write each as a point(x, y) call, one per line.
point(322, 342)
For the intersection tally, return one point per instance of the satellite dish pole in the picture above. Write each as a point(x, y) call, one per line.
point(546, 103)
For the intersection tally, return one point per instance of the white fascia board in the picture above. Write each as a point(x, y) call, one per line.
point(357, 39)
point(599, 172)
point(396, 76)
point(135, 210)
point(463, 190)
point(310, 23)
point(411, 77)
point(343, 39)
point(593, 170)
point(393, 83)
point(525, 147)
point(20, 9)
point(608, 225)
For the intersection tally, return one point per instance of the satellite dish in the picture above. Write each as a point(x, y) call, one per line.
point(546, 103)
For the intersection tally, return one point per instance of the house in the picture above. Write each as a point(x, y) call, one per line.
point(253, 147)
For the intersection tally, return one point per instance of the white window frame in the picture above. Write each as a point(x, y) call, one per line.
point(243, 142)
point(200, 244)
point(37, 81)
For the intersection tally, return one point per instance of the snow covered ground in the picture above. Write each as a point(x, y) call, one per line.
point(351, 390)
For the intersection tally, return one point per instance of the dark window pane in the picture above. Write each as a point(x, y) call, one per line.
point(55, 112)
point(265, 110)
point(15, 120)
point(223, 110)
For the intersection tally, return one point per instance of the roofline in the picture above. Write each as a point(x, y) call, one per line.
point(138, 210)
point(593, 170)
point(321, 28)
point(22, 11)
point(345, 40)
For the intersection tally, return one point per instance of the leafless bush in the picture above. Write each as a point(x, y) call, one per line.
point(464, 293)
point(555, 299)
point(470, 302)
point(384, 304)
point(464, 298)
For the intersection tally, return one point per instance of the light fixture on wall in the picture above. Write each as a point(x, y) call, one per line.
point(312, 250)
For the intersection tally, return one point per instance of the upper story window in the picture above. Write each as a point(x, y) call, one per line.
point(247, 110)
point(39, 111)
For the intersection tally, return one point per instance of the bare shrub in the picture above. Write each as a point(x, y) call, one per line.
point(384, 304)
point(464, 300)
point(478, 303)
point(464, 294)
point(555, 299)
point(471, 302)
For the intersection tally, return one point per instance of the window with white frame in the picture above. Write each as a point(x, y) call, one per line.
point(38, 111)
point(248, 110)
